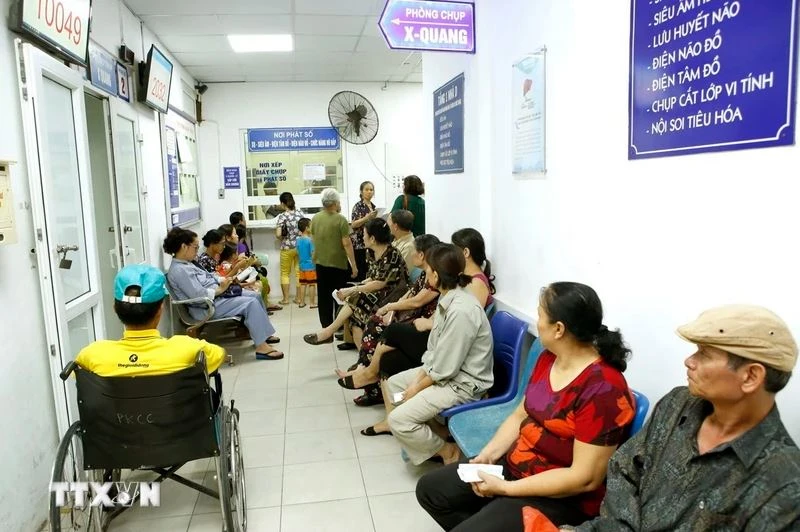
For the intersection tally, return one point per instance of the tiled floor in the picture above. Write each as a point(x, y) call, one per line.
point(307, 467)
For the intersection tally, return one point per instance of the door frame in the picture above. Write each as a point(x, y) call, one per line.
point(30, 62)
point(115, 107)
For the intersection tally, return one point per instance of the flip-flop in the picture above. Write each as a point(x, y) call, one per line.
point(313, 340)
point(301, 306)
point(269, 355)
point(314, 306)
point(370, 431)
point(273, 340)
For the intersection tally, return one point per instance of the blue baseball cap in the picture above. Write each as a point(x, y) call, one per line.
point(151, 282)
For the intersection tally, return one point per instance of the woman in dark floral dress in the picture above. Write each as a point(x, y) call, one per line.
point(386, 276)
point(419, 302)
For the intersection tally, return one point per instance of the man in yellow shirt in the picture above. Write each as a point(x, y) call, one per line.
point(139, 292)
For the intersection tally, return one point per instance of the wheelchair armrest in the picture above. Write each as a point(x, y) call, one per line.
point(209, 304)
point(68, 369)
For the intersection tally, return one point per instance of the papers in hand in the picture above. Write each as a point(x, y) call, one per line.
point(469, 472)
point(336, 298)
point(249, 275)
point(397, 398)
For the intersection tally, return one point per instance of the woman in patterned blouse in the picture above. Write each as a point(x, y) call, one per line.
point(363, 211)
point(555, 446)
point(386, 274)
point(288, 233)
point(418, 302)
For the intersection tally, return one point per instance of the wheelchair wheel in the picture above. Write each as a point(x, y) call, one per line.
point(230, 470)
point(68, 467)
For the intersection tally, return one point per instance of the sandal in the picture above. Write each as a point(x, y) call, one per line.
point(370, 431)
point(369, 399)
point(270, 355)
point(273, 340)
point(347, 383)
point(301, 305)
point(314, 306)
point(313, 340)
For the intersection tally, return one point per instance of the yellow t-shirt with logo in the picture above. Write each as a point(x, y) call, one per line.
point(146, 352)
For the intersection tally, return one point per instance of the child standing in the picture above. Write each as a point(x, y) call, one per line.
point(308, 272)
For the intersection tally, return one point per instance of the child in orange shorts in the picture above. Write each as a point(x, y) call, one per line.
point(308, 271)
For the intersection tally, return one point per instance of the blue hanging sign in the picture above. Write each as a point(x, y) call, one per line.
point(232, 177)
point(292, 139)
point(711, 75)
point(448, 127)
point(102, 69)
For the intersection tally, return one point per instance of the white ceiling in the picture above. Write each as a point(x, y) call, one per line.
point(335, 40)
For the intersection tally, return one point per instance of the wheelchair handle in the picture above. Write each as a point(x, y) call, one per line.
point(68, 369)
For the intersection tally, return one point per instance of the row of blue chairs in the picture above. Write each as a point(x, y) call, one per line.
point(472, 425)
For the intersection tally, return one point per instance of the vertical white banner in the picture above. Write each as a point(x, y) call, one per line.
point(528, 116)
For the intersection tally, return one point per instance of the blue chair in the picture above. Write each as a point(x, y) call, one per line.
point(642, 407)
point(508, 333)
point(489, 310)
point(473, 429)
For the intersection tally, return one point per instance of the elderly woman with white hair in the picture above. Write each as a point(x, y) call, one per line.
point(333, 250)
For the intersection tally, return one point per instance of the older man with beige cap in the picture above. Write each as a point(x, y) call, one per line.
point(715, 455)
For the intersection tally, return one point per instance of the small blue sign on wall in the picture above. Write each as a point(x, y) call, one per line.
point(232, 177)
point(102, 69)
point(448, 127)
point(708, 75)
point(292, 139)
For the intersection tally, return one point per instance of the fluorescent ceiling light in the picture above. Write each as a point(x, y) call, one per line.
point(261, 43)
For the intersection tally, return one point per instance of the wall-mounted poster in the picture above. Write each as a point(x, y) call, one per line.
point(528, 116)
point(709, 75)
point(448, 127)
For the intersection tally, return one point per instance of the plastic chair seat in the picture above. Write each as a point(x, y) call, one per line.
point(508, 333)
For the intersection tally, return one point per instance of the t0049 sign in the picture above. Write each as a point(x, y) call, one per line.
point(61, 23)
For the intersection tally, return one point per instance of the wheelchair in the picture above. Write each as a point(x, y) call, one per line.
point(153, 424)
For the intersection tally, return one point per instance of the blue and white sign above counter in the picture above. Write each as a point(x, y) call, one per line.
point(422, 25)
point(448, 127)
point(292, 139)
point(711, 75)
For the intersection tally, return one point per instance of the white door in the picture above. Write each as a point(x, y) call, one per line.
point(61, 197)
point(128, 182)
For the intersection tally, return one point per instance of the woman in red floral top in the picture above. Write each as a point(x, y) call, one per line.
point(555, 447)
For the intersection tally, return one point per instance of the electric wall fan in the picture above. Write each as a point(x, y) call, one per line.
point(353, 117)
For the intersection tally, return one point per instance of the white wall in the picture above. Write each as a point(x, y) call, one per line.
point(27, 457)
point(660, 239)
point(229, 108)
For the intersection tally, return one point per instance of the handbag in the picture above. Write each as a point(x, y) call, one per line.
point(233, 290)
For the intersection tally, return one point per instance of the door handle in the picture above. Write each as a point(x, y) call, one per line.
point(114, 264)
point(60, 248)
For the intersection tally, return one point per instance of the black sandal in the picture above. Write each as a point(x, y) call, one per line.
point(269, 355)
point(370, 431)
point(371, 397)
